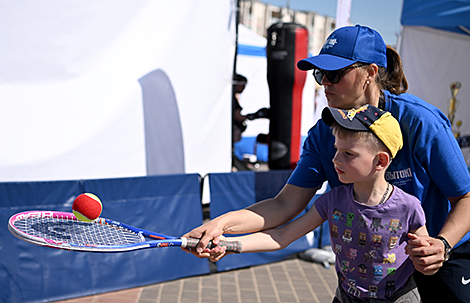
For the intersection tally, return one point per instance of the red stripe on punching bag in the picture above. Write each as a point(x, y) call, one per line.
point(301, 52)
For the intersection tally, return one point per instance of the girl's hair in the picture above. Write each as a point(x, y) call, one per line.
point(367, 138)
point(393, 77)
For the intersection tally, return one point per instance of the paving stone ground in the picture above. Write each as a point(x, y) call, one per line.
point(292, 280)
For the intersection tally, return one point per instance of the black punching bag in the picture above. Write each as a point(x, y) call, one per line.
point(287, 44)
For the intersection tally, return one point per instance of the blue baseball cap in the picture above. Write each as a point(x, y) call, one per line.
point(348, 45)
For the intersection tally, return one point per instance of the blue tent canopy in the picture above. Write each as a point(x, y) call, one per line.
point(449, 15)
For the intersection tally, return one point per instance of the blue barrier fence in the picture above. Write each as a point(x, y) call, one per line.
point(169, 204)
point(234, 191)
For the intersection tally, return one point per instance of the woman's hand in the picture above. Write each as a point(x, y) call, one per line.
point(426, 253)
point(210, 231)
point(214, 254)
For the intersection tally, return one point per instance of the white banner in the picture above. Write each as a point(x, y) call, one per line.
point(343, 13)
point(115, 88)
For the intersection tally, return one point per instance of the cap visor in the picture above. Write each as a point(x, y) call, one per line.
point(330, 115)
point(325, 62)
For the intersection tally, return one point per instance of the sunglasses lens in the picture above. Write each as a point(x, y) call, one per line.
point(318, 74)
point(332, 76)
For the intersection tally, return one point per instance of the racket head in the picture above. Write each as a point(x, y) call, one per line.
point(17, 228)
point(63, 230)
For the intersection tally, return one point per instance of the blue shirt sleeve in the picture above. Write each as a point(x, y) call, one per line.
point(430, 147)
point(446, 164)
point(315, 164)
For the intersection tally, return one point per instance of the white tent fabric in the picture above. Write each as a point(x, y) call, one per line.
point(70, 96)
point(432, 60)
point(253, 66)
point(434, 45)
point(343, 13)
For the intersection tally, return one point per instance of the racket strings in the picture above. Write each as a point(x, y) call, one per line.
point(76, 232)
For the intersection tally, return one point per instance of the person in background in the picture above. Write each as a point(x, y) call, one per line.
point(356, 68)
point(239, 125)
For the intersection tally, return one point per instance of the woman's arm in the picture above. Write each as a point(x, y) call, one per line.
point(427, 253)
point(275, 238)
point(263, 215)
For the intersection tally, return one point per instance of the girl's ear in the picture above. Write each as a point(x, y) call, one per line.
point(383, 160)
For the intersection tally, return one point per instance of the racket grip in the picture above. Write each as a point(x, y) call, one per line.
point(232, 246)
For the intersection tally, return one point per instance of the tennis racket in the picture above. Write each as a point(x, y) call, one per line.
point(63, 230)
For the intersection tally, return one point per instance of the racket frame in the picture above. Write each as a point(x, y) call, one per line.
point(158, 239)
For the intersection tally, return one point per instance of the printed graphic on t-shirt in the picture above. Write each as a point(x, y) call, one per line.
point(366, 248)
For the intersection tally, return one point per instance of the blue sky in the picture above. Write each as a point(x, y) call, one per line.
point(381, 15)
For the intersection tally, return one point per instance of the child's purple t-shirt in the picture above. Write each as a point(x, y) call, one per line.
point(369, 241)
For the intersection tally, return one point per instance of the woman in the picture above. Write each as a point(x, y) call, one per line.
point(356, 68)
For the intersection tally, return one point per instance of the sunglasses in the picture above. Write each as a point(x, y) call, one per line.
point(334, 76)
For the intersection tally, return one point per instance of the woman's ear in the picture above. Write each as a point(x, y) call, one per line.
point(370, 73)
point(372, 70)
point(383, 160)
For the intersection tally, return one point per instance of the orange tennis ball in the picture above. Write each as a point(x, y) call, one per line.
point(87, 207)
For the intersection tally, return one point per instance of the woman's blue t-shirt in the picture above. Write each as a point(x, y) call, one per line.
point(430, 165)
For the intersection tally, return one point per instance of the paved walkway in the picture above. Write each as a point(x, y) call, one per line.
point(292, 280)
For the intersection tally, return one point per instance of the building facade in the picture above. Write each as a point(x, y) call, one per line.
point(259, 16)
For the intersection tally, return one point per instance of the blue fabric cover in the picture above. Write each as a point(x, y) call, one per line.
point(167, 204)
point(248, 145)
point(250, 50)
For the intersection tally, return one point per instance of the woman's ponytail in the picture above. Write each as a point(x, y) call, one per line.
point(393, 77)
